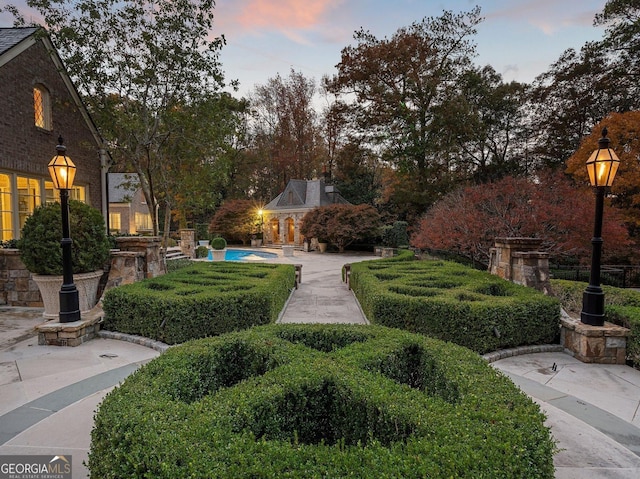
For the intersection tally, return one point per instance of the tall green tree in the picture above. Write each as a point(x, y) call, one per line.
point(138, 64)
point(481, 123)
point(397, 84)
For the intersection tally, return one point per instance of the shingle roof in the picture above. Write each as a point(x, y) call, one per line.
point(305, 194)
point(10, 37)
point(122, 187)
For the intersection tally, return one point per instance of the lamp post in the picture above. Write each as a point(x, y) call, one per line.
point(63, 172)
point(602, 166)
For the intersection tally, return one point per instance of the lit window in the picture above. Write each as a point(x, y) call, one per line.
point(76, 193)
point(143, 222)
point(6, 216)
point(28, 197)
point(42, 107)
point(114, 222)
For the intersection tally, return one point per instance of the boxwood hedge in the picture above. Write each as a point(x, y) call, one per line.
point(454, 303)
point(319, 401)
point(203, 299)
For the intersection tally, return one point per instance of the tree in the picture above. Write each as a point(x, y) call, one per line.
point(284, 132)
point(136, 64)
point(235, 220)
point(396, 85)
point(482, 124)
point(622, 37)
point(468, 220)
point(624, 133)
point(341, 224)
point(568, 99)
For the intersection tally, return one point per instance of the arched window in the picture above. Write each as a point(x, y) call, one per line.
point(42, 107)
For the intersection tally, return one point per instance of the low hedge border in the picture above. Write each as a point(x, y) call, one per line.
point(454, 303)
point(309, 401)
point(203, 299)
point(622, 307)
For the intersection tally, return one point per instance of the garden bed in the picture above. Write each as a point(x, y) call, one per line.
point(200, 300)
point(454, 303)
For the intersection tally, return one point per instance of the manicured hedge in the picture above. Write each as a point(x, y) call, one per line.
point(203, 299)
point(319, 401)
point(622, 307)
point(454, 303)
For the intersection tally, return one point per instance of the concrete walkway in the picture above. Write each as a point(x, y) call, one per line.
point(48, 394)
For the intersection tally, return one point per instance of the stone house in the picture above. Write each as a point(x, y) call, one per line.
point(39, 104)
point(282, 216)
point(128, 212)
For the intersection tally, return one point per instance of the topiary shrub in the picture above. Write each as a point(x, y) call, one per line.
point(202, 252)
point(319, 401)
point(218, 243)
point(39, 241)
point(454, 303)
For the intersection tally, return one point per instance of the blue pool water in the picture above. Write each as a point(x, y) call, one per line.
point(245, 255)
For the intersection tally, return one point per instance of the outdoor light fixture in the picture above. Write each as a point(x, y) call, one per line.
point(603, 163)
point(63, 172)
point(602, 166)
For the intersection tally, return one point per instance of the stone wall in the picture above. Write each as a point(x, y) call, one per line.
point(138, 258)
point(17, 287)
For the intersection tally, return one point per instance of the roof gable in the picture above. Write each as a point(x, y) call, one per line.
point(14, 41)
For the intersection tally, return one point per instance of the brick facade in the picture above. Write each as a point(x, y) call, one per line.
point(27, 149)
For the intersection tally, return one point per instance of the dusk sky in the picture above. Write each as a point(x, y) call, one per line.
point(519, 38)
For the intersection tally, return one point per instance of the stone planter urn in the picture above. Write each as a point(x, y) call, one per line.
point(256, 243)
point(322, 247)
point(49, 286)
point(218, 254)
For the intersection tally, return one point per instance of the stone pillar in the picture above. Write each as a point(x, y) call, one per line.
point(188, 242)
point(150, 246)
point(517, 260)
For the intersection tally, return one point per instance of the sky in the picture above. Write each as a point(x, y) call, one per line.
point(519, 38)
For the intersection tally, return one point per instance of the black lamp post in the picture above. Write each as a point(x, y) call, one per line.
point(63, 172)
point(602, 166)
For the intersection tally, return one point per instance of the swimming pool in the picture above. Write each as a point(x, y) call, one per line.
point(245, 255)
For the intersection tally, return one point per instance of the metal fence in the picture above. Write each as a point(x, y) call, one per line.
point(621, 276)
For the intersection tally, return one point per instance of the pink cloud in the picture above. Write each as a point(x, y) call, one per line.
point(283, 14)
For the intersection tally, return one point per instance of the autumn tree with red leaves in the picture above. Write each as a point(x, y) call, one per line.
point(469, 220)
point(341, 224)
point(624, 133)
point(235, 220)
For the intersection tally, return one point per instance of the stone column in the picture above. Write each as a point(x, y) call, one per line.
point(154, 264)
point(188, 242)
point(517, 260)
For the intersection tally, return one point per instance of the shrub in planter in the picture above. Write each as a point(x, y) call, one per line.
point(39, 242)
point(218, 243)
point(319, 401)
point(202, 252)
